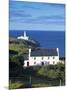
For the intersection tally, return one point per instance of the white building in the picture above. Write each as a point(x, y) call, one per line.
point(42, 57)
point(24, 37)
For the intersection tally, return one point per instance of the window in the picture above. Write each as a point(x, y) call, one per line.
point(34, 62)
point(34, 58)
point(48, 62)
point(27, 63)
point(53, 62)
point(42, 63)
point(53, 57)
point(42, 58)
point(48, 57)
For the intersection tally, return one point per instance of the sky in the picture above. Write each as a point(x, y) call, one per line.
point(36, 16)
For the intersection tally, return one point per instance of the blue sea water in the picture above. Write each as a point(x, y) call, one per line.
point(47, 39)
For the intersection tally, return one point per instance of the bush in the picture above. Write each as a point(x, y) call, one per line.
point(18, 59)
point(52, 74)
point(16, 65)
point(43, 71)
point(52, 71)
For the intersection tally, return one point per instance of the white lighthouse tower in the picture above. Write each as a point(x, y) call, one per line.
point(24, 34)
point(24, 37)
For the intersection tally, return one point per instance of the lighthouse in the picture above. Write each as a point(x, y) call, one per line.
point(25, 34)
point(24, 37)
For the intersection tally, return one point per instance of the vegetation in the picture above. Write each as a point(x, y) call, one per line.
point(21, 46)
point(41, 76)
point(15, 85)
point(37, 76)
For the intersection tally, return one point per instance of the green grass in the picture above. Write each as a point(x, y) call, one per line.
point(40, 85)
point(15, 47)
point(15, 85)
point(18, 47)
point(35, 82)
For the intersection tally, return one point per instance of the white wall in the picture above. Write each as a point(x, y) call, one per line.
point(24, 38)
point(39, 60)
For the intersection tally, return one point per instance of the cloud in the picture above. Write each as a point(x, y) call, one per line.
point(24, 26)
point(45, 19)
point(36, 15)
point(39, 20)
point(20, 14)
point(51, 17)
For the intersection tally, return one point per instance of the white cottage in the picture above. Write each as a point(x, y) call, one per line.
point(42, 57)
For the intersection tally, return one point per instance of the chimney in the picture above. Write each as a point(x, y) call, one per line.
point(58, 51)
point(29, 52)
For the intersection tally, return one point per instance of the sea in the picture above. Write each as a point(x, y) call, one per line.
point(47, 39)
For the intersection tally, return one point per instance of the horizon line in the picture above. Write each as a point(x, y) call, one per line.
point(39, 30)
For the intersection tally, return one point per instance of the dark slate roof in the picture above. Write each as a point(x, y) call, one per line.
point(44, 52)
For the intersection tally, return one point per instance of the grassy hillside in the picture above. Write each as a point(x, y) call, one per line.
point(21, 46)
point(18, 47)
point(37, 76)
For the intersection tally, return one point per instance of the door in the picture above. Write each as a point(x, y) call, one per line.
point(42, 63)
point(27, 63)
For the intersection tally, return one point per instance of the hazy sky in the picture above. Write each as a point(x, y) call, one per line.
point(36, 16)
